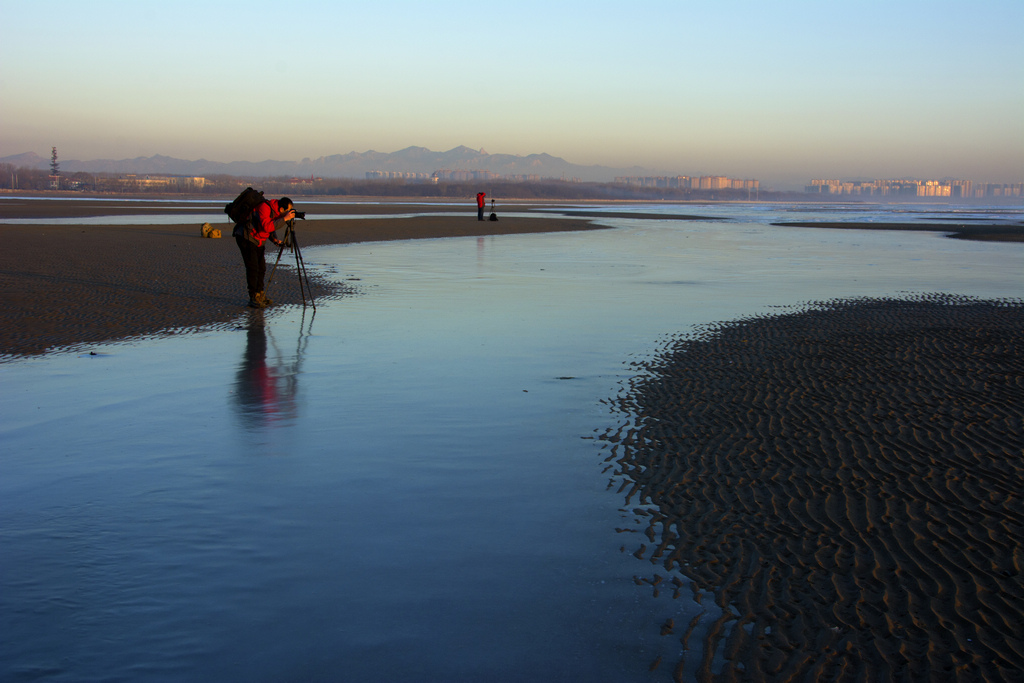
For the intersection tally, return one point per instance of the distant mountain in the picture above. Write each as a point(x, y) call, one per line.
point(26, 160)
point(351, 165)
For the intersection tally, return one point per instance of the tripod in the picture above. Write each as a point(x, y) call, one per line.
point(290, 241)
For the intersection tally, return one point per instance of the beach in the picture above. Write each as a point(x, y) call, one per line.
point(844, 483)
point(822, 491)
point(956, 229)
point(74, 284)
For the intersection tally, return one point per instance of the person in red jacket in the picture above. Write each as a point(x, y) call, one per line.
point(480, 205)
point(252, 237)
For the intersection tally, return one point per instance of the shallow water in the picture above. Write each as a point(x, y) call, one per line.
point(407, 485)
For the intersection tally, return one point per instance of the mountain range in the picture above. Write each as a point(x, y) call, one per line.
point(351, 165)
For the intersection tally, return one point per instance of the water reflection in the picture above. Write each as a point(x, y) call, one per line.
point(151, 554)
point(266, 383)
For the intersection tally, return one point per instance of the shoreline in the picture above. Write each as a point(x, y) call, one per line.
point(72, 285)
point(981, 232)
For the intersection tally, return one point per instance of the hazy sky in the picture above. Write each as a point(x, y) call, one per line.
point(782, 91)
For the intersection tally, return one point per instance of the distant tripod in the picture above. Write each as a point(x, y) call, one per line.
point(290, 241)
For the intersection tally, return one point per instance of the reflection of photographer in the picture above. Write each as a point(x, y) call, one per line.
point(265, 387)
point(252, 235)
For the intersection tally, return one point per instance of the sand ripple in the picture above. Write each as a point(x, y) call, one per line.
point(848, 481)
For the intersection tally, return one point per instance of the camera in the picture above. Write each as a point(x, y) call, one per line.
point(301, 215)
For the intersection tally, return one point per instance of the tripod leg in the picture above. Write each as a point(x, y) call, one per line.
point(274, 269)
point(300, 264)
point(279, 252)
point(298, 271)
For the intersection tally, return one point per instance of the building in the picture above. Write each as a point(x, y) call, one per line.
point(459, 175)
point(396, 175)
point(152, 182)
point(683, 182)
point(915, 188)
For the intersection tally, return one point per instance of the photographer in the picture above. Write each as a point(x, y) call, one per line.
point(480, 203)
point(252, 236)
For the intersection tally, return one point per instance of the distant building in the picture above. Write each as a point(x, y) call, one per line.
point(459, 175)
point(149, 182)
point(998, 190)
point(451, 175)
point(682, 182)
point(914, 188)
point(960, 188)
point(396, 175)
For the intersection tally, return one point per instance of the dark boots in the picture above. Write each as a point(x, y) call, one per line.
point(260, 300)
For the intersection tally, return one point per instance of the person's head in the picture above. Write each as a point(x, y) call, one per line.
point(286, 207)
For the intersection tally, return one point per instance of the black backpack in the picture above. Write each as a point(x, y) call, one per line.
point(240, 209)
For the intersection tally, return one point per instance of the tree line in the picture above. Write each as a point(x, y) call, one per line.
point(36, 180)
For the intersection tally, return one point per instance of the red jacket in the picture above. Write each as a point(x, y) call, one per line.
point(261, 225)
point(480, 199)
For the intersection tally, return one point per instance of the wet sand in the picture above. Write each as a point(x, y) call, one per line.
point(982, 232)
point(69, 285)
point(13, 206)
point(639, 215)
point(845, 483)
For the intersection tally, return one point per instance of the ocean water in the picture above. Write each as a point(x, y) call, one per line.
point(407, 484)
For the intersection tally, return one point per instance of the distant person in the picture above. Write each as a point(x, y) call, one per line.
point(480, 205)
point(252, 236)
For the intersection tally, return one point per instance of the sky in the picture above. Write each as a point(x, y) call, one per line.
point(782, 91)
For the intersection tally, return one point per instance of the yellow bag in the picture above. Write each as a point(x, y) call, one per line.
point(209, 231)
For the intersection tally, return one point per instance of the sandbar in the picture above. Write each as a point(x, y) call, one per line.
point(71, 285)
point(842, 485)
point(981, 232)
